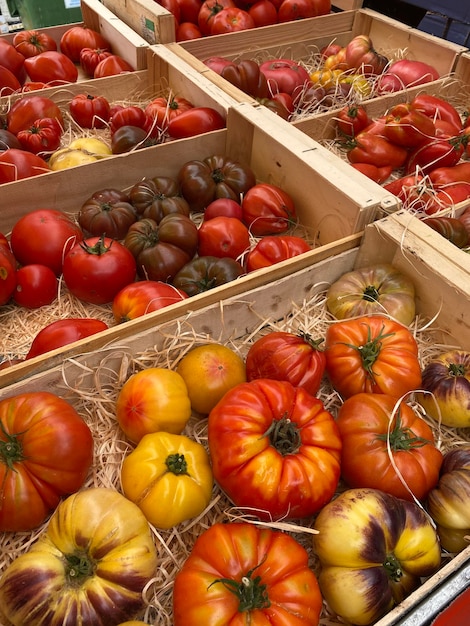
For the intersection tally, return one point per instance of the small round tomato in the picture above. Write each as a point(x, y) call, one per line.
point(160, 111)
point(90, 111)
point(223, 237)
point(96, 269)
point(142, 297)
point(152, 400)
point(32, 42)
point(290, 10)
point(223, 207)
point(188, 30)
point(207, 12)
point(209, 371)
point(351, 119)
point(231, 20)
point(281, 355)
point(43, 236)
point(268, 209)
point(51, 67)
point(36, 286)
point(111, 66)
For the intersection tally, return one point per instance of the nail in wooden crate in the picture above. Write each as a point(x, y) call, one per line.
point(332, 204)
point(235, 316)
point(124, 40)
point(157, 25)
point(303, 39)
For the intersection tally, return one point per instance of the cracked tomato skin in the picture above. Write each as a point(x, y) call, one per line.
point(275, 449)
point(372, 354)
point(277, 587)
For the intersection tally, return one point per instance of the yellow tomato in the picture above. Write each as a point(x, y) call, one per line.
point(152, 400)
point(65, 158)
point(326, 78)
point(209, 371)
point(169, 477)
point(91, 145)
point(359, 83)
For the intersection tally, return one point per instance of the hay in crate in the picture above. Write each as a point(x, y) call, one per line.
point(94, 394)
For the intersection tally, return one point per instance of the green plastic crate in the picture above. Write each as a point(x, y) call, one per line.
point(43, 13)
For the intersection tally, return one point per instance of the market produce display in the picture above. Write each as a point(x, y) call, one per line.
point(305, 469)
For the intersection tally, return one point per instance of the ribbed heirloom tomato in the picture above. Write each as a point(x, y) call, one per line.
point(242, 574)
point(372, 354)
point(46, 450)
point(275, 449)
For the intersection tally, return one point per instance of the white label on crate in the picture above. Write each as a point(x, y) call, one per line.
point(72, 4)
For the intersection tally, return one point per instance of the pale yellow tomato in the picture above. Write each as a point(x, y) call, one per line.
point(91, 145)
point(209, 371)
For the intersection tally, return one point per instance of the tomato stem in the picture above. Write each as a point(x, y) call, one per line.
point(98, 248)
point(402, 438)
point(11, 450)
point(251, 593)
point(456, 369)
point(284, 435)
point(371, 349)
point(370, 294)
point(176, 463)
point(393, 568)
point(79, 566)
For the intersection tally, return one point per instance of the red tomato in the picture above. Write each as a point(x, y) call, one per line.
point(281, 355)
point(274, 249)
point(128, 116)
point(387, 446)
point(51, 67)
point(43, 136)
point(372, 354)
point(8, 82)
point(263, 13)
point(271, 565)
point(223, 237)
point(96, 269)
point(351, 119)
point(7, 274)
point(142, 297)
point(217, 64)
point(377, 174)
point(173, 7)
point(274, 449)
point(90, 57)
point(406, 73)
point(377, 150)
point(33, 86)
point(187, 31)
point(90, 111)
point(62, 333)
point(160, 111)
point(223, 207)
point(111, 66)
point(12, 59)
point(284, 75)
point(208, 10)
point(32, 42)
point(442, 151)
point(408, 127)
point(195, 121)
point(267, 210)
point(44, 236)
point(36, 286)
point(231, 20)
point(17, 164)
point(189, 10)
point(437, 109)
point(47, 451)
point(290, 10)
point(78, 37)
point(25, 111)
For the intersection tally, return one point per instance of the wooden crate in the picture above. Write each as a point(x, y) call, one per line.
point(332, 206)
point(124, 40)
point(237, 316)
point(157, 25)
point(302, 39)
